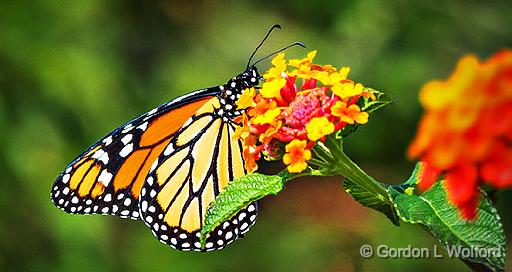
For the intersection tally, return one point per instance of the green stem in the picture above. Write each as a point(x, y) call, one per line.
point(346, 167)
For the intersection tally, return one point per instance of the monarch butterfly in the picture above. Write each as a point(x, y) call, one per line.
point(166, 167)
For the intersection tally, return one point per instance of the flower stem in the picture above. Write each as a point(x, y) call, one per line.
point(346, 167)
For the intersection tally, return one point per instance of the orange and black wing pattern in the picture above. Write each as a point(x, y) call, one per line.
point(192, 170)
point(166, 167)
point(107, 178)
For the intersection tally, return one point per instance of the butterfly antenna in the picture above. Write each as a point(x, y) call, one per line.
point(279, 51)
point(261, 43)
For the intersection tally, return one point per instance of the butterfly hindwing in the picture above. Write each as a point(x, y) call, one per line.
point(108, 176)
point(194, 168)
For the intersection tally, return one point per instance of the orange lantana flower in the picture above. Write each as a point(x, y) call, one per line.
point(349, 114)
point(251, 153)
point(466, 131)
point(295, 108)
point(296, 156)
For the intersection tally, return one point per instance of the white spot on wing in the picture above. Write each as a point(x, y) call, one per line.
point(127, 149)
point(143, 127)
point(149, 180)
point(241, 216)
point(153, 111)
point(104, 158)
point(108, 198)
point(105, 177)
point(127, 128)
point(168, 150)
point(65, 178)
point(98, 154)
point(244, 226)
point(127, 138)
point(154, 165)
point(107, 140)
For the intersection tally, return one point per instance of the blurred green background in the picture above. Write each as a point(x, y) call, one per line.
point(71, 71)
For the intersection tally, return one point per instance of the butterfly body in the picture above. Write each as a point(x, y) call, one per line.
point(165, 168)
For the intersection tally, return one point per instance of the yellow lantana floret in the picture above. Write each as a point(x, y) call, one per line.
point(318, 127)
point(268, 117)
point(272, 89)
point(347, 89)
point(278, 67)
point(333, 78)
point(246, 99)
point(298, 63)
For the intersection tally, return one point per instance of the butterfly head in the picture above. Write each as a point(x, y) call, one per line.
point(249, 78)
point(231, 91)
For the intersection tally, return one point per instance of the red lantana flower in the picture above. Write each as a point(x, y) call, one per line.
point(466, 131)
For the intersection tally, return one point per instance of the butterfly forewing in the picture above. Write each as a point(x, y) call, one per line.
point(107, 177)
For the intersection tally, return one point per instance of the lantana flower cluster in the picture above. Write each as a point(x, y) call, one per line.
point(466, 131)
point(298, 104)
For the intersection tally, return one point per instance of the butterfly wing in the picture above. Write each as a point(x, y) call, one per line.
point(108, 176)
point(197, 163)
point(166, 167)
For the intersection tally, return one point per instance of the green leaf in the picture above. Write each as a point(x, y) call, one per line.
point(372, 200)
point(237, 195)
point(369, 105)
point(432, 211)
